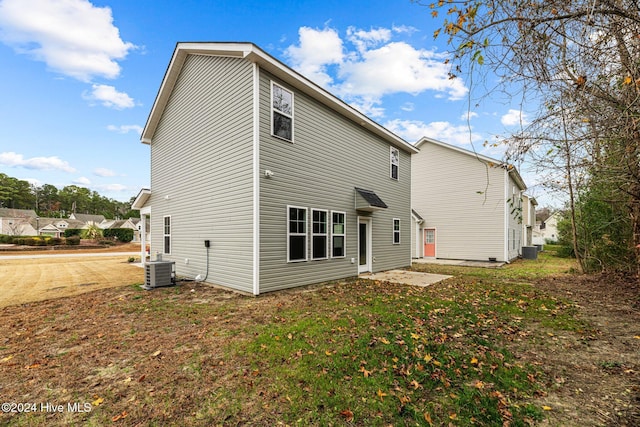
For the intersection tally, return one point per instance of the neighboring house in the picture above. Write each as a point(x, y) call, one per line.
point(467, 206)
point(88, 219)
point(137, 227)
point(261, 180)
point(546, 230)
point(17, 222)
point(130, 223)
point(55, 227)
point(529, 204)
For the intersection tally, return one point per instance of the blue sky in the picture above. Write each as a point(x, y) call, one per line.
point(79, 77)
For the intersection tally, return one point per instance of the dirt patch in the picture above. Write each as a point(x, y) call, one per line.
point(595, 372)
point(36, 279)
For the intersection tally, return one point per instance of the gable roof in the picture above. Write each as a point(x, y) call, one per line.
point(254, 54)
point(87, 217)
point(17, 213)
point(488, 160)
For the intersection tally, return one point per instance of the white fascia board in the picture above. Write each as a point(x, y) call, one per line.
point(141, 199)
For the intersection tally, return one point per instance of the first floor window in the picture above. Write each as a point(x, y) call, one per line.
point(297, 234)
point(167, 235)
point(319, 234)
point(396, 231)
point(337, 234)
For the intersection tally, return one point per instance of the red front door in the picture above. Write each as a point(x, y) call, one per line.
point(430, 242)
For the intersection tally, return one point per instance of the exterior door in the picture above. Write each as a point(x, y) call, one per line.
point(430, 242)
point(364, 245)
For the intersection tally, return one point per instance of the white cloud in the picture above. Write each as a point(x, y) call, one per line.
point(112, 187)
point(12, 159)
point(468, 116)
point(125, 129)
point(316, 51)
point(408, 106)
point(109, 97)
point(399, 67)
point(73, 37)
point(413, 130)
point(104, 172)
point(514, 117)
point(84, 181)
point(364, 40)
point(374, 67)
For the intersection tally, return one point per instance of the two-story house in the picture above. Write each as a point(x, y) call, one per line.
point(467, 206)
point(262, 180)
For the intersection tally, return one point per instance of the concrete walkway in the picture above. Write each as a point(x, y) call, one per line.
point(462, 263)
point(406, 277)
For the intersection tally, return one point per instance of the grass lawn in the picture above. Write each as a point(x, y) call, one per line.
point(354, 352)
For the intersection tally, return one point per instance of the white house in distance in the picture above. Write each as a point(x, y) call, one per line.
point(546, 229)
point(466, 206)
point(261, 180)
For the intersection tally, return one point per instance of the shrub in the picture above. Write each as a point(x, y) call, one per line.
point(72, 232)
point(124, 235)
point(54, 241)
point(29, 241)
point(73, 240)
point(5, 238)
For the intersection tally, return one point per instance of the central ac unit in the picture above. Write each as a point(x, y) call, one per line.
point(159, 274)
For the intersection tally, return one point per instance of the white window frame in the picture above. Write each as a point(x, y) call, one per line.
point(305, 234)
point(274, 111)
point(325, 234)
point(165, 235)
point(394, 161)
point(343, 234)
point(396, 232)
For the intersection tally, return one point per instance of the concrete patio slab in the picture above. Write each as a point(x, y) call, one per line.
point(462, 263)
point(406, 277)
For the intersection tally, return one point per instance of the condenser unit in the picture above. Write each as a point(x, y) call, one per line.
point(159, 274)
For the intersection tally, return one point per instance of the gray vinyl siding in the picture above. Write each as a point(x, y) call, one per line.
point(201, 171)
point(329, 157)
point(463, 199)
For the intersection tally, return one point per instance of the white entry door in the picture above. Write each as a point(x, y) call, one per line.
point(364, 245)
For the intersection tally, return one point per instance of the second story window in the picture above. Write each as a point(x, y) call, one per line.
point(394, 159)
point(281, 112)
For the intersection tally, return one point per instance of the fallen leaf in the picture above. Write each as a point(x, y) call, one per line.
point(98, 401)
point(474, 361)
point(5, 359)
point(381, 394)
point(365, 372)
point(546, 408)
point(415, 384)
point(119, 416)
point(347, 415)
point(383, 340)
